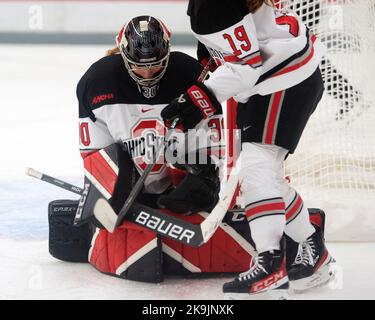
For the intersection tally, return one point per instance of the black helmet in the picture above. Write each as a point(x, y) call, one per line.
point(144, 42)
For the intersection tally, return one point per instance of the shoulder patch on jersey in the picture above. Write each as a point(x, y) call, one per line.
point(102, 98)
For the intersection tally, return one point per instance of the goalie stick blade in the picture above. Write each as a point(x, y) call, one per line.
point(104, 213)
point(212, 222)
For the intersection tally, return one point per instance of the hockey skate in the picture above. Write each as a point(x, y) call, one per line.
point(312, 265)
point(265, 280)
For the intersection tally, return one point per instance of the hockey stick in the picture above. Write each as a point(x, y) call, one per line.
point(77, 190)
point(177, 229)
point(104, 216)
point(188, 233)
point(58, 183)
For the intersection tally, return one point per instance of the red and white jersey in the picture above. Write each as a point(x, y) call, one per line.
point(112, 110)
point(258, 53)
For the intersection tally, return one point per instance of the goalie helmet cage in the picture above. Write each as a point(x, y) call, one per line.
point(333, 167)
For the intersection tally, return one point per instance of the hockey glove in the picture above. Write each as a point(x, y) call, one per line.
point(196, 104)
point(198, 191)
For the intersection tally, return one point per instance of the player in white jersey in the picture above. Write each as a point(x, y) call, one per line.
point(268, 61)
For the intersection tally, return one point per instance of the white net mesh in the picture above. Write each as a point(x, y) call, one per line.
point(334, 164)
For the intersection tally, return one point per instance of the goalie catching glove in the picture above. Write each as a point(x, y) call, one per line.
point(196, 104)
point(198, 191)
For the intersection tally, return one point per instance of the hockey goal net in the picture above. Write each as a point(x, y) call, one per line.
point(334, 164)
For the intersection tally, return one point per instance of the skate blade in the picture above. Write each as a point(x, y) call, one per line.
point(320, 278)
point(275, 294)
point(277, 291)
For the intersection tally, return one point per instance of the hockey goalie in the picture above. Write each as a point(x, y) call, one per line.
point(121, 98)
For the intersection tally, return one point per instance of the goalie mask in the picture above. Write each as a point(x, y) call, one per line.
point(144, 46)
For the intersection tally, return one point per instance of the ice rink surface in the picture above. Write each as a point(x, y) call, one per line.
point(38, 128)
